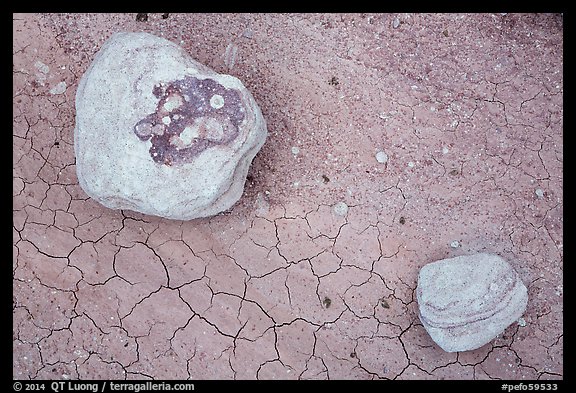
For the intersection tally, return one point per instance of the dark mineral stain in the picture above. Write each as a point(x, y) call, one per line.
point(56, 143)
point(325, 178)
point(352, 355)
point(333, 81)
point(165, 16)
point(157, 91)
point(454, 172)
point(384, 303)
point(402, 220)
point(327, 302)
point(192, 115)
point(142, 17)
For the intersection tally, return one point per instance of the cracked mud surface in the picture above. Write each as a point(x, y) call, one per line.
point(290, 283)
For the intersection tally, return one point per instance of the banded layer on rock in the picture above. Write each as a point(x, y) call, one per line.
point(159, 133)
point(466, 301)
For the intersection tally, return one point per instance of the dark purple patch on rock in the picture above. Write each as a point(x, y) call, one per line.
point(192, 115)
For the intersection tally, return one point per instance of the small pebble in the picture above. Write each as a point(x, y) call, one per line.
point(522, 322)
point(539, 193)
point(445, 150)
point(411, 164)
point(396, 23)
point(247, 33)
point(340, 209)
point(295, 150)
point(455, 244)
point(381, 157)
point(59, 88)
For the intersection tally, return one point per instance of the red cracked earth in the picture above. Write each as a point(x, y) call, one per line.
point(468, 109)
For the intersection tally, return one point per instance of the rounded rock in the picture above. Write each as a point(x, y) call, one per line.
point(159, 133)
point(382, 157)
point(340, 209)
point(466, 301)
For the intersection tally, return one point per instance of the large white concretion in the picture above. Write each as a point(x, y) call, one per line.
point(159, 133)
point(466, 301)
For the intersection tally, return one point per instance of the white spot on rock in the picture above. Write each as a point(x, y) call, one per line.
point(381, 157)
point(166, 120)
point(172, 102)
point(455, 244)
point(59, 88)
point(295, 150)
point(539, 193)
point(217, 101)
point(445, 150)
point(396, 23)
point(411, 164)
point(188, 134)
point(340, 209)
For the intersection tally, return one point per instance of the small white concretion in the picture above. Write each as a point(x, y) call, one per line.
point(410, 164)
point(295, 150)
point(340, 209)
point(217, 101)
point(455, 244)
point(166, 120)
point(59, 88)
point(381, 157)
point(539, 193)
point(521, 322)
point(445, 150)
point(396, 23)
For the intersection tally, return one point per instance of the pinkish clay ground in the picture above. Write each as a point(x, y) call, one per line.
point(290, 283)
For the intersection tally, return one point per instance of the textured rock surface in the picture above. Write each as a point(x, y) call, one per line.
point(466, 301)
point(159, 133)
